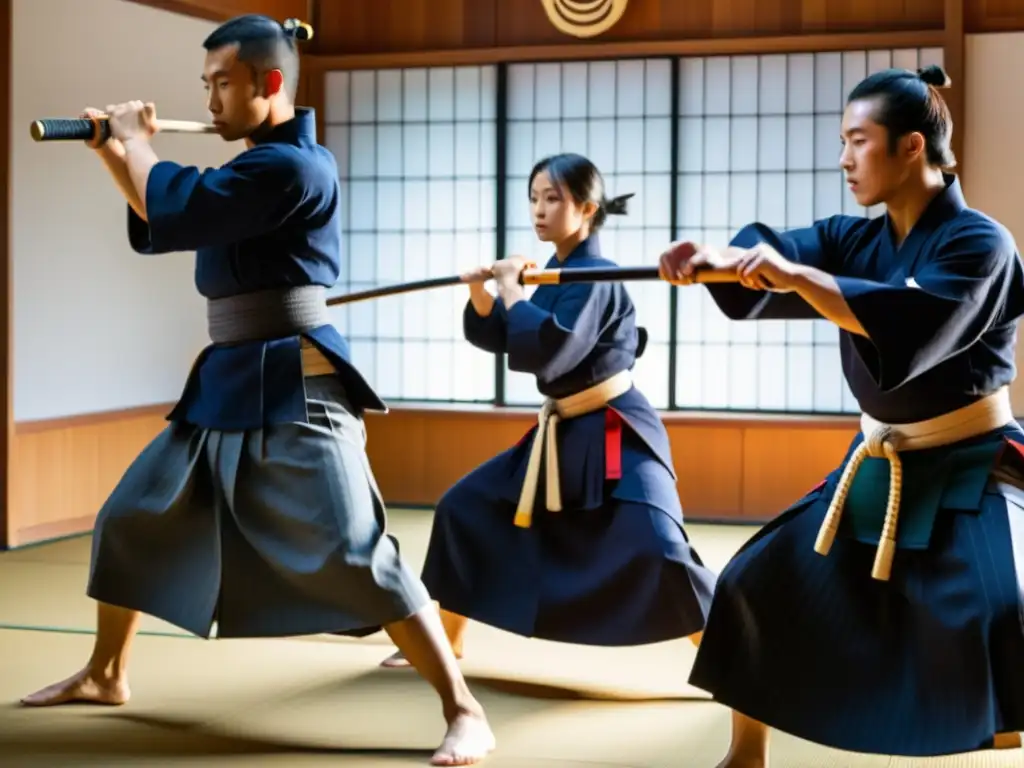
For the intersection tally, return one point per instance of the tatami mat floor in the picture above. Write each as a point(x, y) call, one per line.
point(323, 701)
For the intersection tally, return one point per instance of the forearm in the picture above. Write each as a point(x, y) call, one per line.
point(821, 291)
point(511, 293)
point(483, 302)
point(139, 160)
point(118, 170)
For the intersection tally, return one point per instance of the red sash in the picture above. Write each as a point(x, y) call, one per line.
point(612, 444)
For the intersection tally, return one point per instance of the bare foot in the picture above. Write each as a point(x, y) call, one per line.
point(748, 747)
point(742, 761)
point(395, 661)
point(398, 661)
point(468, 741)
point(80, 688)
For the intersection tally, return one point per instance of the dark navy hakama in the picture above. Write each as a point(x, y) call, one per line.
point(614, 566)
point(931, 661)
point(256, 508)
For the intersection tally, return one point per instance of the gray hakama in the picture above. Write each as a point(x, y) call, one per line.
point(269, 532)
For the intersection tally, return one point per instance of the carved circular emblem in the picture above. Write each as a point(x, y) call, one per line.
point(584, 18)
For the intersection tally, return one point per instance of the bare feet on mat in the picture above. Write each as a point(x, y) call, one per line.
point(743, 761)
point(81, 688)
point(395, 661)
point(468, 741)
point(398, 661)
point(749, 745)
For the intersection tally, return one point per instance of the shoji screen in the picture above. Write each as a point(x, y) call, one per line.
point(759, 141)
point(619, 114)
point(756, 139)
point(417, 160)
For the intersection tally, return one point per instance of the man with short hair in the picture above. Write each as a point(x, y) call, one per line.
point(256, 507)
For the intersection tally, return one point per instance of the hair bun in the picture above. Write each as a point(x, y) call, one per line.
point(300, 30)
point(617, 206)
point(934, 75)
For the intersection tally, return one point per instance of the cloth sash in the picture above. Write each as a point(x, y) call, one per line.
point(887, 441)
point(265, 315)
point(545, 440)
point(273, 314)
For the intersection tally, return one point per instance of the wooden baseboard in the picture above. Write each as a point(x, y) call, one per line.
point(62, 470)
point(59, 529)
point(731, 468)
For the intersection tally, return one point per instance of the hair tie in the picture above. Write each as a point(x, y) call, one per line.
point(300, 30)
point(934, 75)
point(617, 206)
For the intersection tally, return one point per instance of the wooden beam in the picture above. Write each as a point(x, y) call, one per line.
point(222, 10)
point(313, 18)
point(638, 49)
point(953, 62)
point(188, 8)
point(6, 274)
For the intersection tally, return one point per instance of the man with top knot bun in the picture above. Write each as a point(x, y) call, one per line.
point(882, 612)
point(256, 509)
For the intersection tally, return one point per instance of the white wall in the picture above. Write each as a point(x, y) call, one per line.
point(96, 326)
point(993, 155)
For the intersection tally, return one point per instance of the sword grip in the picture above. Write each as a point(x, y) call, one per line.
point(71, 129)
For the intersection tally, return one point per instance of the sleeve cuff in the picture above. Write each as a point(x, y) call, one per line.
point(737, 302)
point(525, 317)
point(472, 319)
point(499, 309)
point(524, 325)
point(138, 233)
point(863, 297)
point(162, 205)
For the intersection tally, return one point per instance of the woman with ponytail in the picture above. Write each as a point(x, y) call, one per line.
point(576, 533)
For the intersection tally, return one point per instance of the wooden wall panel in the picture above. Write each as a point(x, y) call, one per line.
point(523, 22)
point(63, 470)
point(993, 16)
point(370, 26)
point(219, 10)
point(729, 469)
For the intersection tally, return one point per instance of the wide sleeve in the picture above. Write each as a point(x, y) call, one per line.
point(819, 246)
point(936, 313)
point(549, 344)
point(485, 332)
point(187, 209)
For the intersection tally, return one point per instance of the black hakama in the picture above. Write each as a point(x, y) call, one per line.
point(930, 661)
point(614, 566)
